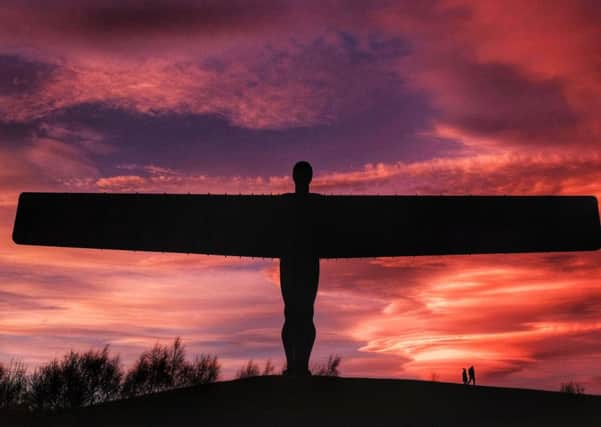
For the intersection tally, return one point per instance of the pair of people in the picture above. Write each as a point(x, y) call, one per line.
point(472, 376)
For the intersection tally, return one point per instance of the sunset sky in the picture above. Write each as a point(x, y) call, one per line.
point(382, 97)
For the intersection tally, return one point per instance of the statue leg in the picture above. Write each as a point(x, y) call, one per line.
point(289, 328)
point(299, 282)
point(307, 331)
point(288, 341)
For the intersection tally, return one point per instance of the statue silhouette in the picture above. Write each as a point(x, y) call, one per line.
point(301, 228)
point(299, 276)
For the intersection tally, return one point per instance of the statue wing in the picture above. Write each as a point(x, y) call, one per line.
point(339, 226)
point(383, 226)
point(204, 224)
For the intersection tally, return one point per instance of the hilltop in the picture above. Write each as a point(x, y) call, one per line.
point(328, 401)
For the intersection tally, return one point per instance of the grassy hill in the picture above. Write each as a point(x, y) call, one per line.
point(327, 401)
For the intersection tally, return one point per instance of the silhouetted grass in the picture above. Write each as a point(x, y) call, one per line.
point(85, 379)
point(572, 387)
point(79, 379)
point(165, 367)
point(13, 384)
point(329, 369)
point(252, 369)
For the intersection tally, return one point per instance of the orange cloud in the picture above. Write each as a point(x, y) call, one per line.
point(519, 74)
point(121, 182)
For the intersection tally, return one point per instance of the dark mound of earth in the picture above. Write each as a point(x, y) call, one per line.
point(327, 401)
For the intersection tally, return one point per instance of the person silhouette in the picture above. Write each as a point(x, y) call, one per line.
point(464, 376)
point(472, 374)
point(299, 276)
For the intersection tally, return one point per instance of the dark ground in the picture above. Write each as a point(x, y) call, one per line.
point(327, 401)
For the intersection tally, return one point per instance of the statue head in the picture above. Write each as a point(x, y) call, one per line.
point(302, 175)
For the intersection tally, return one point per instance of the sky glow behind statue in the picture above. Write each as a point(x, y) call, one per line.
point(443, 97)
point(303, 227)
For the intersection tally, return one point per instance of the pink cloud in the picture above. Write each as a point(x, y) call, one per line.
point(42, 164)
point(487, 311)
point(294, 96)
point(260, 64)
point(121, 182)
point(516, 74)
point(59, 160)
point(501, 173)
point(514, 172)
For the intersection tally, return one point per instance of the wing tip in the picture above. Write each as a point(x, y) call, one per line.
point(17, 234)
point(16, 238)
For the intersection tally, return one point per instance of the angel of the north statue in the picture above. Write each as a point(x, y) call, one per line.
point(301, 228)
